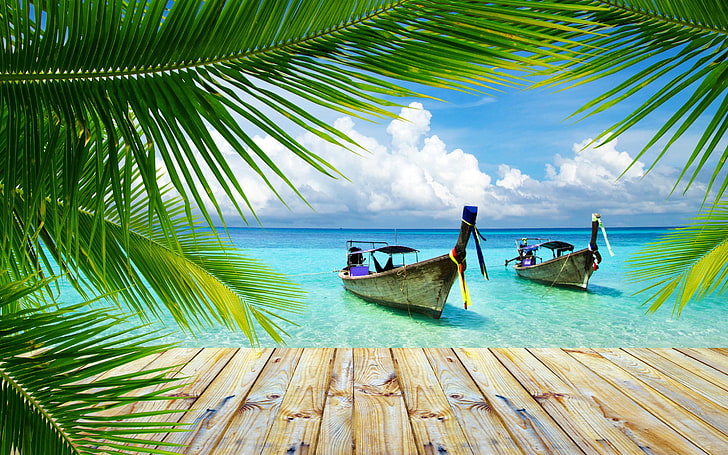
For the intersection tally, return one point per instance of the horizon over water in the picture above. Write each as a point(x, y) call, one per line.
point(506, 311)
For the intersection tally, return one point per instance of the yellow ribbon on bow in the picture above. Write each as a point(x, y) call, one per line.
point(461, 275)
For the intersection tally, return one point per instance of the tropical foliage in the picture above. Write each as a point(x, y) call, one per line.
point(675, 54)
point(96, 97)
point(689, 262)
point(48, 358)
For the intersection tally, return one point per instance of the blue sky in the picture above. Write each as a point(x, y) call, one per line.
point(515, 155)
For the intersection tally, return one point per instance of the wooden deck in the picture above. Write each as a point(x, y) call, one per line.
point(454, 401)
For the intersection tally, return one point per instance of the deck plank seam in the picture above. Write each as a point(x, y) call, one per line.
point(659, 405)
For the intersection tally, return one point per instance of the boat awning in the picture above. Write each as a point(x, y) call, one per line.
point(551, 244)
point(390, 249)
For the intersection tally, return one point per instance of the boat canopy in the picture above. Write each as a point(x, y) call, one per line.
point(390, 249)
point(555, 245)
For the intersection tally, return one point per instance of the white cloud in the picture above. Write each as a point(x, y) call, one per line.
point(511, 178)
point(417, 175)
point(593, 163)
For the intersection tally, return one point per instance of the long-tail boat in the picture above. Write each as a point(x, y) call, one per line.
point(418, 287)
point(565, 267)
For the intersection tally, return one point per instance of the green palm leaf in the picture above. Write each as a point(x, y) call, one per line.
point(688, 263)
point(179, 68)
point(677, 51)
point(48, 359)
point(153, 262)
point(93, 96)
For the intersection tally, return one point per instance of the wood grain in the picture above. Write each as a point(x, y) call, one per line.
point(531, 427)
point(336, 424)
point(690, 426)
point(571, 409)
point(213, 412)
point(485, 431)
point(441, 400)
point(296, 428)
point(380, 419)
point(433, 422)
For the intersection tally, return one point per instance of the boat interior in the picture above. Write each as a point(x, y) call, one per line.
point(361, 256)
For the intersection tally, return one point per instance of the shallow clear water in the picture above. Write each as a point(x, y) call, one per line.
point(506, 311)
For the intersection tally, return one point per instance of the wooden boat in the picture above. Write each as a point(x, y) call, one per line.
point(565, 268)
point(418, 287)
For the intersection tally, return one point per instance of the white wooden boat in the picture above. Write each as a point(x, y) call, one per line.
point(565, 267)
point(417, 287)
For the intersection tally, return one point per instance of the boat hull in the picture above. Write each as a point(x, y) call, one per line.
point(570, 270)
point(421, 287)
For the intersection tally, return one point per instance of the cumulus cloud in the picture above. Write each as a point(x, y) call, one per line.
point(417, 175)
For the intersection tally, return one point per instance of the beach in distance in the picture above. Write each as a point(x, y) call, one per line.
point(506, 311)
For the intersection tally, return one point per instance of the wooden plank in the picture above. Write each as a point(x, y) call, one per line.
point(484, 430)
point(189, 362)
point(174, 359)
point(697, 367)
point(248, 426)
point(201, 371)
point(711, 357)
point(610, 408)
point(222, 399)
point(583, 414)
point(666, 385)
point(296, 429)
point(433, 422)
point(689, 378)
point(196, 375)
point(380, 422)
point(461, 401)
point(531, 427)
point(336, 433)
point(698, 432)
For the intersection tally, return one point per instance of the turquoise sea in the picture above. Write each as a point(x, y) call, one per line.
point(506, 311)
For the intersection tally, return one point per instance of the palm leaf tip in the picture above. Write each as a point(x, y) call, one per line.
point(687, 263)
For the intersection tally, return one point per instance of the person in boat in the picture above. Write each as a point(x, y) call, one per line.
point(354, 258)
point(527, 257)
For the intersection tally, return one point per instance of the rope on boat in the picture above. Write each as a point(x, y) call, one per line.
point(314, 273)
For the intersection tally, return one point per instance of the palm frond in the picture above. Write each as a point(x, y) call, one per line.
point(679, 50)
point(178, 68)
point(157, 263)
point(688, 263)
point(48, 359)
point(149, 253)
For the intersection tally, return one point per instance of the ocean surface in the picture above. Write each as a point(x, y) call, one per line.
point(506, 311)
